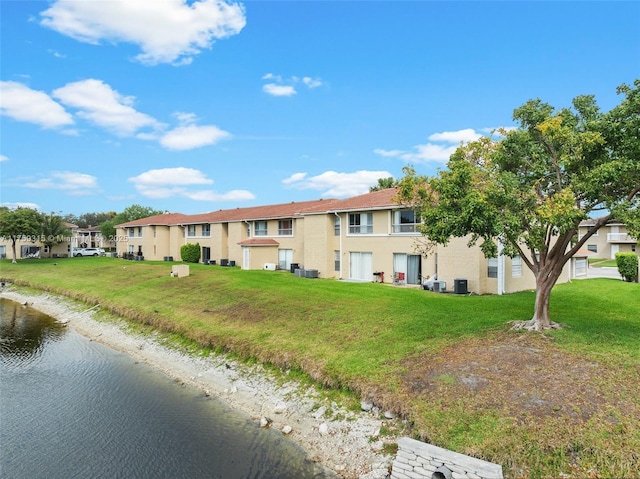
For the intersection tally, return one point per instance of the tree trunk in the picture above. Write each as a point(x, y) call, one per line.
point(541, 319)
point(13, 247)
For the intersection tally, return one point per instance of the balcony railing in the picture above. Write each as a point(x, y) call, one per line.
point(620, 238)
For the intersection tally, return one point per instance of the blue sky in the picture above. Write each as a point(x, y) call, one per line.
point(204, 105)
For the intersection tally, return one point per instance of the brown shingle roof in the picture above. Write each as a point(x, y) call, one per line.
point(377, 199)
point(373, 200)
point(259, 242)
point(283, 210)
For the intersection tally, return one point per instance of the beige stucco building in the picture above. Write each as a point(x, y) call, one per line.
point(610, 239)
point(363, 238)
point(32, 246)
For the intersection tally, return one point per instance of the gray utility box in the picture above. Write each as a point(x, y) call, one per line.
point(460, 286)
point(310, 273)
point(439, 286)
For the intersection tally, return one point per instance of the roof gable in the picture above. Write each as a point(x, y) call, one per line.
point(380, 199)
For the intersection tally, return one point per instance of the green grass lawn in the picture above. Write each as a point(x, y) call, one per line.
point(367, 338)
point(602, 262)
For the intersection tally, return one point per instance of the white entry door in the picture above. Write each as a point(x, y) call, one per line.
point(246, 258)
point(615, 248)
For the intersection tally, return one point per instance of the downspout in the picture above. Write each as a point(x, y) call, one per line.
point(340, 251)
point(246, 261)
point(500, 269)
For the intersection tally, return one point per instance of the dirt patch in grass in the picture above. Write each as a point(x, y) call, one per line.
point(523, 375)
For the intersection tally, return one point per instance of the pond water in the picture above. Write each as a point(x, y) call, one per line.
point(73, 408)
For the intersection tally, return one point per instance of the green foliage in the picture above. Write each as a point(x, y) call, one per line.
point(628, 266)
point(86, 220)
point(529, 190)
point(130, 213)
point(384, 183)
point(54, 231)
point(190, 253)
point(19, 223)
point(368, 337)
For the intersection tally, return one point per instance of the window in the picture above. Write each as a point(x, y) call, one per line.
point(206, 230)
point(405, 221)
point(593, 248)
point(154, 231)
point(260, 228)
point(492, 267)
point(285, 228)
point(131, 232)
point(140, 231)
point(361, 223)
point(336, 260)
point(336, 225)
point(191, 230)
point(516, 267)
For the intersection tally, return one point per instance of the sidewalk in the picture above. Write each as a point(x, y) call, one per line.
point(603, 272)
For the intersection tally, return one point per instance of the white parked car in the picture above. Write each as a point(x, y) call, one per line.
point(88, 252)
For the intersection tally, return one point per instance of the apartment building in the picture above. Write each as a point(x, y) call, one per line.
point(364, 238)
point(608, 240)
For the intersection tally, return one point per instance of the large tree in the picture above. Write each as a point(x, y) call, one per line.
point(86, 220)
point(526, 192)
point(20, 223)
point(130, 213)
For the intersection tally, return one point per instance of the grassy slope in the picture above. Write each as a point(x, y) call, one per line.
point(358, 336)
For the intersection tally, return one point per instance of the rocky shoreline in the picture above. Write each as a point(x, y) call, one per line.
point(345, 442)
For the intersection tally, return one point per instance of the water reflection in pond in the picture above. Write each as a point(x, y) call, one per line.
point(70, 407)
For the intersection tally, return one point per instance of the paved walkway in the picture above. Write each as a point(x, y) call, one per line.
point(603, 272)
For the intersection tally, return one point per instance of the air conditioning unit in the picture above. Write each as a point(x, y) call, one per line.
point(310, 273)
point(439, 286)
point(270, 266)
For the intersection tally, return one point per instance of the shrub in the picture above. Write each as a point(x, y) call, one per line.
point(190, 253)
point(628, 266)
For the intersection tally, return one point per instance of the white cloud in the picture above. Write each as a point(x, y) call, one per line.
point(296, 177)
point(337, 185)
point(432, 151)
point(185, 118)
point(13, 206)
point(388, 153)
point(271, 76)
point(208, 195)
point(98, 103)
point(312, 82)
point(279, 90)
point(171, 176)
point(76, 184)
point(459, 136)
point(193, 136)
point(167, 31)
point(3, 158)
point(21, 103)
point(286, 86)
point(178, 182)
